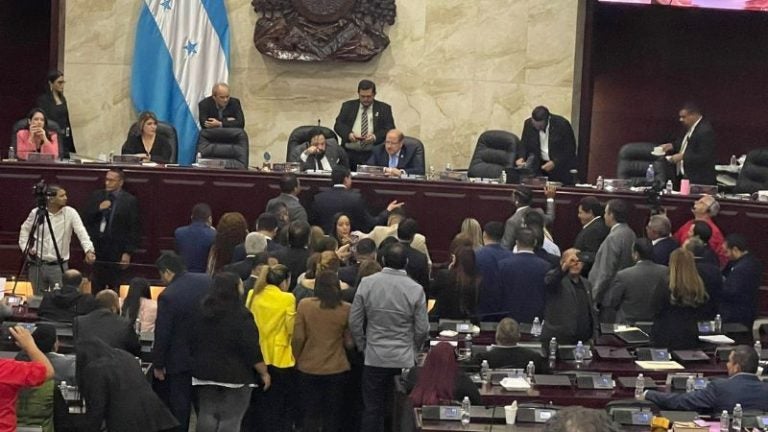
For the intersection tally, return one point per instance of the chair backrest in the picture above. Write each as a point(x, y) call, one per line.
point(495, 150)
point(52, 127)
point(165, 130)
point(410, 141)
point(633, 163)
point(754, 173)
point(230, 144)
point(301, 135)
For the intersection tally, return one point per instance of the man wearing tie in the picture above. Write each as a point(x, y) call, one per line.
point(362, 123)
point(397, 158)
point(694, 155)
point(319, 154)
point(112, 219)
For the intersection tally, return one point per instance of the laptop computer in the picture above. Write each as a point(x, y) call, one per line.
point(613, 353)
point(633, 336)
point(690, 355)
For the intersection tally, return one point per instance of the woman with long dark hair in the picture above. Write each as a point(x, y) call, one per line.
point(36, 138)
point(138, 304)
point(54, 104)
point(146, 142)
point(439, 380)
point(320, 335)
point(456, 288)
point(230, 232)
point(225, 355)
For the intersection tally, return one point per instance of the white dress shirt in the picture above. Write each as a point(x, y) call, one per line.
point(325, 164)
point(544, 142)
point(684, 145)
point(356, 126)
point(64, 222)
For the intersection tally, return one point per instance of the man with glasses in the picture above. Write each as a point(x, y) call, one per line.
point(397, 158)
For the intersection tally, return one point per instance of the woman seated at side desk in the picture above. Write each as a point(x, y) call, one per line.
point(147, 143)
point(36, 138)
point(439, 381)
point(139, 306)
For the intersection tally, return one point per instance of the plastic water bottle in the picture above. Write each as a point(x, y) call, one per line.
point(718, 324)
point(530, 370)
point(137, 326)
point(734, 161)
point(650, 174)
point(759, 350)
point(639, 386)
point(668, 188)
point(466, 407)
point(536, 327)
point(468, 343)
point(503, 176)
point(689, 384)
point(11, 153)
point(485, 371)
point(553, 350)
point(56, 286)
point(737, 414)
point(578, 354)
point(600, 183)
point(198, 156)
point(724, 423)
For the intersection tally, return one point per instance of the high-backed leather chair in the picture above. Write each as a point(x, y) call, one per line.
point(52, 127)
point(754, 173)
point(418, 158)
point(230, 144)
point(633, 163)
point(165, 130)
point(301, 135)
point(495, 151)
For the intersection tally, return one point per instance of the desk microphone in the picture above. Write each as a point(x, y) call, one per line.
point(318, 122)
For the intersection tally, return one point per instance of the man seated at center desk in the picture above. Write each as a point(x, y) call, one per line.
point(397, 158)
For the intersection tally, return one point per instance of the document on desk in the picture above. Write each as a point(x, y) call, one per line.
point(659, 365)
point(717, 339)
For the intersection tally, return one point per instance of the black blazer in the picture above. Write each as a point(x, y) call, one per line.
point(335, 154)
point(562, 318)
point(417, 267)
point(699, 157)
point(562, 148)
point(677, 327)
point(113, 329)
point(382, 120)
point(207, 108)
point(343, 200)
point(663, 249)
point(161, 149)
point(510, 357)
point(296, 261)
point(409, 159)
point(123, 234)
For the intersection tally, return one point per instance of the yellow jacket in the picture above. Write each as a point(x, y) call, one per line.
point(274, 312)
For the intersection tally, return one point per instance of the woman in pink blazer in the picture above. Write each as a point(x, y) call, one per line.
point(36, 137)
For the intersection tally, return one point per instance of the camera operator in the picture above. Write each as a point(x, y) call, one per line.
point(44, 268)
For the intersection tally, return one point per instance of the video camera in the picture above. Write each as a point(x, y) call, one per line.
point(42, 192)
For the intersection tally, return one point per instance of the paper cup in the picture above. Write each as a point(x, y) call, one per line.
point(511, 414)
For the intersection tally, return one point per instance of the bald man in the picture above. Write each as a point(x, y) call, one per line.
point(104, 323)
point(397, 158)
point(220, 110)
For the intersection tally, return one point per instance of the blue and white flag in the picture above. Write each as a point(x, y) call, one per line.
point(182, 50)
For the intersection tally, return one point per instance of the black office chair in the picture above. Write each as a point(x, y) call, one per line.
point(301, 135)
point(754, 173)
point(418, 158)
point(634, 159)
point(52, 127)
point(165, 130)
point(230, 144)
point(495, 151)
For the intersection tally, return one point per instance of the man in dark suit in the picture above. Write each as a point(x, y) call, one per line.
point(220, 110)
point(194, 241)
point(65, 304)
point(487, 260)
point(659, 231)
point(341, 199)
point(593, 229)
point(397, 158)
point(106, 324)
point(709, 272)
point(639, 292)
point(417, 267)
point(289, 195)
point(694, 154)
point(549, 145)
point(506, 353)
point(319, 154)
point(365, 250)
point(522, 276)
point(255, 243)
point(362, 123)
point(178, 311)
point(295, 255)
point(112, 218)
point(743, 273)
point(742, 387)
point(569, 314)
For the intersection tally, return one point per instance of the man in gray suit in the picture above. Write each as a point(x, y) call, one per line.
point(290, 189)
point(637, 293)
point(616, 251)
point(522, 197)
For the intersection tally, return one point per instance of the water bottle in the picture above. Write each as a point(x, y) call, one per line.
point(56, 286)
point(724, 424)
point(536, 327)
point(137, 326)
point(718, 324)
point(689, 384)
point(11, 153)
point(468, 344)
point(650, 174)
point(485, 371)
point(432, 173)
point(600, 183)
point(111, 157)
point(737, 414)
point(734, 161)
point(553, 350)
point(466, 406)
point(503, 176)
point(448, 166)
point(669, 187)
point(578, 354)
point(530, 370)
point(759, 350)
point(639, 386)
point(198, 157)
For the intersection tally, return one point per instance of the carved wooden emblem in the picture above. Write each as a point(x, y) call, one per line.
point(317, 30)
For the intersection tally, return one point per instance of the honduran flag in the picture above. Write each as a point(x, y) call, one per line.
point(182, 50)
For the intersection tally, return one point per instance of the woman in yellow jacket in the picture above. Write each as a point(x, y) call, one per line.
point(274, 310)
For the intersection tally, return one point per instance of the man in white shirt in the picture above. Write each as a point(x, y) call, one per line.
point(319, 154)
point(694, 154)
point(549, 146)
point(44, 266)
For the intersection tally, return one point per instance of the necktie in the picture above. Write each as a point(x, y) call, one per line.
point(393, 161)
point(364, 122)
